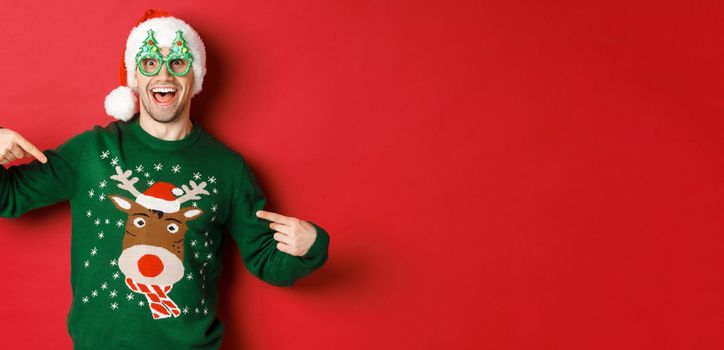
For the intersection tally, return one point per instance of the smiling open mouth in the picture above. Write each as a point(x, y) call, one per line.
point(163, 96)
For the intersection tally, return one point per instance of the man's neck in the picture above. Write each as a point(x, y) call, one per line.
point(172, 131)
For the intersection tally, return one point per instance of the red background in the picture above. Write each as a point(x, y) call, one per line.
point(493, 174)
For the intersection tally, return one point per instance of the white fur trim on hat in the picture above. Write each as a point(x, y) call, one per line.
point(164, 30)
point(158, 204)
point(121, 103)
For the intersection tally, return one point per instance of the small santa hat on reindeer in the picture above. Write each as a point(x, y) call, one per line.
point(122, 103)
point(161, 196)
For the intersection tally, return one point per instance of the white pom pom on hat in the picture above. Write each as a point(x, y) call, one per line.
point(122, 103)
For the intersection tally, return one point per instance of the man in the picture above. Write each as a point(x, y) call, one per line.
point(151, 195)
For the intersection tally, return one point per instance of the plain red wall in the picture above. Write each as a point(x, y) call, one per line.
point(493, 174)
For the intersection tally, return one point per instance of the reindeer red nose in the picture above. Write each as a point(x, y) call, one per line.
point(150, 265)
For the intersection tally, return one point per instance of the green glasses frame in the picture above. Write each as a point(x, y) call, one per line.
point(178, 51)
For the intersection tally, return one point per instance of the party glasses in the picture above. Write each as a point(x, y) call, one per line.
point(178, 61)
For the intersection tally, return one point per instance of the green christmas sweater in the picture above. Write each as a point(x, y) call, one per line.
point(147, 223)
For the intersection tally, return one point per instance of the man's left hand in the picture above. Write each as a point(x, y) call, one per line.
point(295, 236)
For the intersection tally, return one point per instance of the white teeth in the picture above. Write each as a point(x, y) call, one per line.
point(164, 90)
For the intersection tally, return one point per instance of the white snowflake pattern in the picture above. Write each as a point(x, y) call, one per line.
point(91, 193)
point(214, 191)
point(113, 294)
point(101, 197)
point(102, 184)
point(186, 309)
point(150, 182)
point(139, 168)
point(140, 303)
point(196, 255)
point(213, 218)
point(209, 256)
point(119, 223)
point(94, 293)
point(114, 262)
point(212, 179)
point(196, 310)
point(193, 243)
point(214, 208)
point(88, 213)
point(84, 300)
point(206, 233)
point(104, 285)
point(203, 301)
point(114, 306)
point(158, 166)
point(129, 296)
point(116, 275)
point(86, 264)
point(206, 244)
point(94, 251)
point(147, 175)
point(105, 154)
point(190, 276)
point(206, 311)
point(107, 221)
point(194, 204)
point(176, 168)
point(114, 161)
point(101, 235)
point(197, 176)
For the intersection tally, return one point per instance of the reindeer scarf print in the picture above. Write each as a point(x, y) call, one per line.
point(148, 217)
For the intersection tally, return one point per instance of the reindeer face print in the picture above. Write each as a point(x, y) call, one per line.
point(148, 230)
point(153, 242)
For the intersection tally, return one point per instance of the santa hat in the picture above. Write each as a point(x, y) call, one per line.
point(161, 196)
point(122, 103)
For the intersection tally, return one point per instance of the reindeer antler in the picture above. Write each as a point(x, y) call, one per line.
point(126, 183)
point(193, 193)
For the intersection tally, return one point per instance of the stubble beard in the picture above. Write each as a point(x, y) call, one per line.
point(162, 116)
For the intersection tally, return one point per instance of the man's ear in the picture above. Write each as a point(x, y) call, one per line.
point(122, 203)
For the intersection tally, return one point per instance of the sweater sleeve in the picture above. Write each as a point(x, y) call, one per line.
point(256, 243)
point(28, 186)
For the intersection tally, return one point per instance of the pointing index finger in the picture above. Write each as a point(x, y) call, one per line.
point(34, 151)
point(278, 218)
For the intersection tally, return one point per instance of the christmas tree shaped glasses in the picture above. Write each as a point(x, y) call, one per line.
point(178, 61)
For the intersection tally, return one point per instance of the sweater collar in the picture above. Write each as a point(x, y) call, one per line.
point(155, 142)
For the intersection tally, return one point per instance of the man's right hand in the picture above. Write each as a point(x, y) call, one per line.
point(13, 146)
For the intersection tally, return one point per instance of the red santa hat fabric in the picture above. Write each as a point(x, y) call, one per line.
point(161, 196)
